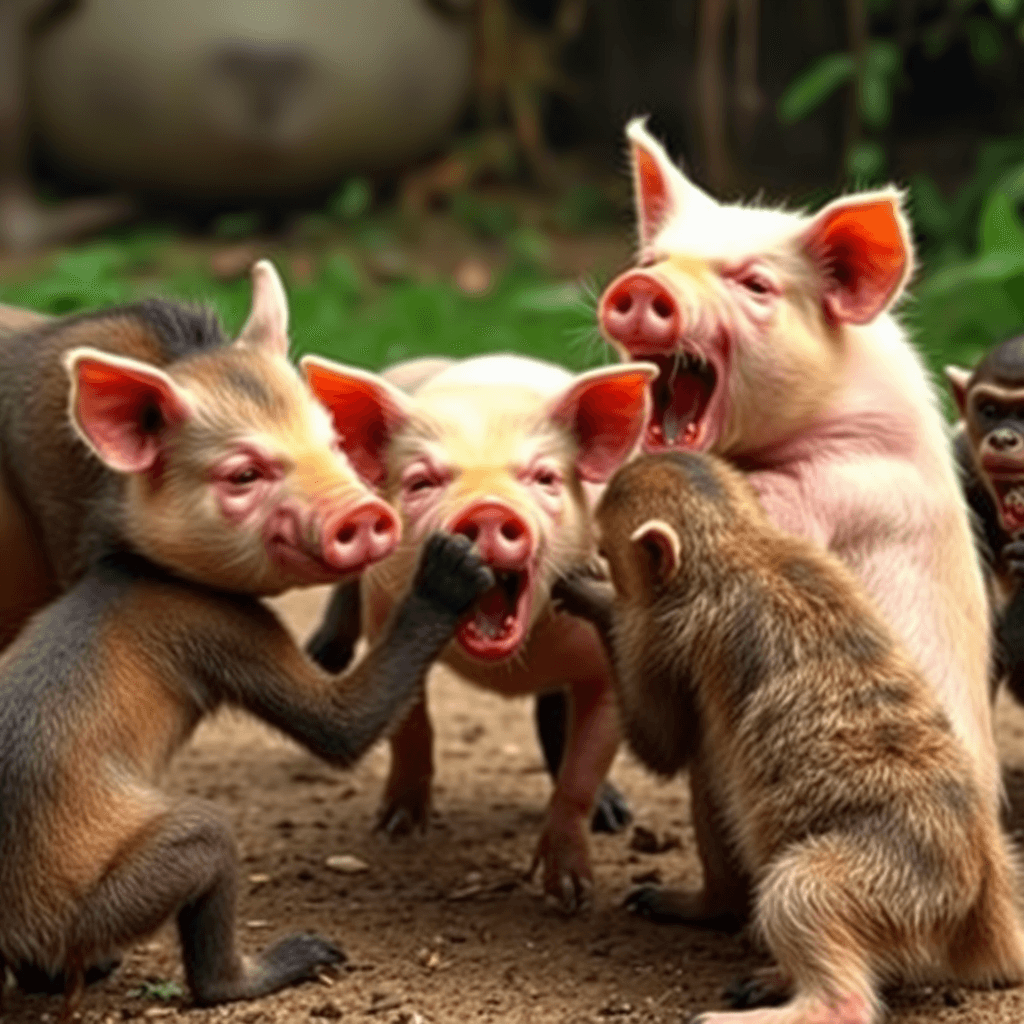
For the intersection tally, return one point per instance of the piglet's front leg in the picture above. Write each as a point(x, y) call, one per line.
point(563, 853)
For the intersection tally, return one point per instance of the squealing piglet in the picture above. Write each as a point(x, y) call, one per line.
point(502, 450)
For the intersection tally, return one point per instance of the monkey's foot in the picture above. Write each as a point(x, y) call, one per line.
point(26, 224)
point(766, 987)
point(611, 812)
point(666, 906)
point(847, 1009)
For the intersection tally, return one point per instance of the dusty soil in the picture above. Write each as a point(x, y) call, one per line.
point(443, 927)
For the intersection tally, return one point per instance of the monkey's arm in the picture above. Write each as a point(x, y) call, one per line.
point(588, 598)
point(339, 717)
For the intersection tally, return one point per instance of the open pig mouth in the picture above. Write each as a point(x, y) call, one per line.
point(681, 393)
point(1010, 498)
point(496, 625)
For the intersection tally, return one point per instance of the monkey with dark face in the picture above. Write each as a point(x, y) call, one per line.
point(831, 798)
point(989, 446)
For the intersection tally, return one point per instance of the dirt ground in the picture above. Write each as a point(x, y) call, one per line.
point(443, 927)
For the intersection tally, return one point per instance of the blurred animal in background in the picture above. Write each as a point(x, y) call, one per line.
point(989, 446)
point(831, 796)
point(96, 695)
point(777, 350)
point(212, 460)
point(498, 449)
point(25, 221)
point(216, 102)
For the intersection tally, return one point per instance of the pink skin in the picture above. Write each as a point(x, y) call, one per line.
point(640, 316)
point(315, 543)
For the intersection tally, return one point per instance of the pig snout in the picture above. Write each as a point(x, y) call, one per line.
point(501, 536)
point(355, 538)
point(639, 313)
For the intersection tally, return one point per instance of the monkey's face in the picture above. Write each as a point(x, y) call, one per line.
point(995, 426)
point(742, 307)
point(234, 476)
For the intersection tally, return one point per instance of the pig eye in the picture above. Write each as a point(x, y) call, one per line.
point(757, 285)
point(244, 477)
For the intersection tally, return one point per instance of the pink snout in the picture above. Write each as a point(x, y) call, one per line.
point(357, 537)
point(501, 535)
point(639, 313)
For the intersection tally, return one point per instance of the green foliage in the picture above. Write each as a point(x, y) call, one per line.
point(338, 314)
point(484, 217)
point(157, 988)
point(352, 201)
point(811, 88)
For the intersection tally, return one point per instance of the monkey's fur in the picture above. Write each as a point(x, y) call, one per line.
point(98, 692)
point(831, 798)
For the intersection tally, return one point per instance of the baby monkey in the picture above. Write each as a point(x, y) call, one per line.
point(831, 800)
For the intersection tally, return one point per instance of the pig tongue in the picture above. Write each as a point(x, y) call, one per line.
point(492, 613)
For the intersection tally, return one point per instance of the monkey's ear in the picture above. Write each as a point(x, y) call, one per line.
point(606, 410)
point(267, 326)
point(958, 378)
point(367, 411)
point(660, 189)
point(862, 246)
point(658, 544)
point(121, 407)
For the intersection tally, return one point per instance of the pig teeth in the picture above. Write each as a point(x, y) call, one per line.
point(1015, 497)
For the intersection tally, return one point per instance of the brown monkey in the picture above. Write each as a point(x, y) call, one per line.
point(989, 446)
point(830, 794)
point(97, 693)
point(214, 459)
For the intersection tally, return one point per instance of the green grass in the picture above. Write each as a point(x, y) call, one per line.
point(338, 314)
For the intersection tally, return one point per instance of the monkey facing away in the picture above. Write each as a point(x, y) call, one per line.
point(97, 693)
point(989, 446)
point(831, 797)
point(214, 459)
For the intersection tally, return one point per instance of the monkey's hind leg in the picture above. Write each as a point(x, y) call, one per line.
point(186, 865)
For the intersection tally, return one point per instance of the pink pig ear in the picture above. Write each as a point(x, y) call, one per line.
point(367, 411)
point(862, 243)
point(958, 379)
point(606, 410)
point(121, 407)
point(660, 189)
point(267, 326)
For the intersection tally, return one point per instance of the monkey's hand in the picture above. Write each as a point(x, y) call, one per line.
point(451, 575)
point(580, 593)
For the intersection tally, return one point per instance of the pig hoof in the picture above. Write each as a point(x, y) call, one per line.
point(612, 813)
point(396, 822)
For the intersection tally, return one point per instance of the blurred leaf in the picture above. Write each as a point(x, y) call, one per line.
point(238, 224)
point(157, 988)
point(883, 57)
point(584, 207)
point(814, 86)
point(1005, 9)
point(484, 217)
point(1000, 229)
point(874, 99)
point(865, 161)
point(985, 40)
point(530, 247)
point(340, 276)
point(352, 201)
point(932, 214)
